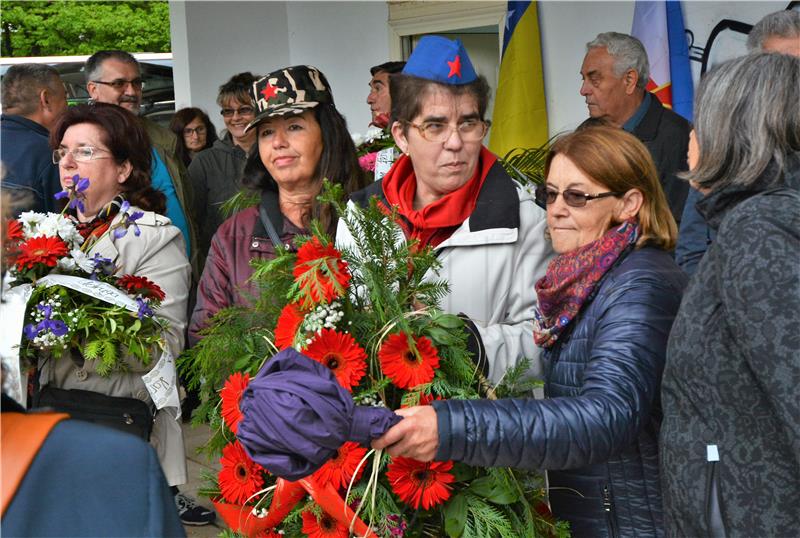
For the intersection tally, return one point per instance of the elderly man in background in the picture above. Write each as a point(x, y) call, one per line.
point(113, 76)
point(777, 32)
point(33, 100)
point(615, 72)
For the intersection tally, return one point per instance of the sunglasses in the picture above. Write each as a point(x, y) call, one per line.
point(572, 197)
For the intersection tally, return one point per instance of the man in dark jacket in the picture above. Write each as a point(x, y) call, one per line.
point(33, 100)
point(615, 72)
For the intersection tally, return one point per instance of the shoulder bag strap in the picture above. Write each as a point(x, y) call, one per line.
point(269, 227)
point(23, 434)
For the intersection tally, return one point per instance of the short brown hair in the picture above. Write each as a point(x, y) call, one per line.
point(127, 140)
point(620, 162)
point(408, 93)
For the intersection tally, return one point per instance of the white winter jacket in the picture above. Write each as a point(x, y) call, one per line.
point(491, 263)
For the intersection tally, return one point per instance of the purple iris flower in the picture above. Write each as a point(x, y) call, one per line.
point(144, 309)
point(30, 331)
point(101, 265)
point(128, 219)
point(75, 192)
point(55, 326)
point(45, 309)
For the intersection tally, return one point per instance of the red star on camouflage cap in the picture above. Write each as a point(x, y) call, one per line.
point(269, 91)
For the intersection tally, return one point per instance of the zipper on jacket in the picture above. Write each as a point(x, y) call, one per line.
point(608, 508)
point(713, 511)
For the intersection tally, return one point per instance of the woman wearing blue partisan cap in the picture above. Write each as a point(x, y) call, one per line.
point(301, 139)
point(454, 196)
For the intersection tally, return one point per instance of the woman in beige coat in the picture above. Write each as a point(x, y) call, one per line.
point(107, 145)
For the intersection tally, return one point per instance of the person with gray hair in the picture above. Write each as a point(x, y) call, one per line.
point(777, 32)
point(730, 439)
point(615, 74)
point(34, 99)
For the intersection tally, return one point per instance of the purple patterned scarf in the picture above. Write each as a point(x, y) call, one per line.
point(571, 277)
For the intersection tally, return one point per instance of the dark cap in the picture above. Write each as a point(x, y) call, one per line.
point(291, 90)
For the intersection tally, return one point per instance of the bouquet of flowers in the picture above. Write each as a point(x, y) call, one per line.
point(369, 314)
point(377, 145)
point(76, 301)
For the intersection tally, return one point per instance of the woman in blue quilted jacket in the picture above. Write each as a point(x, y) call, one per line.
point(606, 306)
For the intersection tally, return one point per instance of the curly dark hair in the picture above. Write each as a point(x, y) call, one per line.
point(127, 140)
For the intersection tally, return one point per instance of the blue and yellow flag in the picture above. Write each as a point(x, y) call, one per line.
point(520, 114)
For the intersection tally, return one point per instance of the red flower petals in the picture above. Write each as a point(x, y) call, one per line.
point(14, 230)
point(320, 272)
point(341, 353)
point(324, 527)
point(289, 322)
point(139, 285)
point(418, 483)
point(41, 250)
point(231, 395)
point(339, 471)
point(240, 476)
point(408, 367)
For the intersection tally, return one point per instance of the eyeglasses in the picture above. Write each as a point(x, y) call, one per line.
point(572, 197)
point(81, 154)
point(121, 83)
point(436, 131)
point(243, 111)
point(197, 130)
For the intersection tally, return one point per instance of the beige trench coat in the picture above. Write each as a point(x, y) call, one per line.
point(158, 254)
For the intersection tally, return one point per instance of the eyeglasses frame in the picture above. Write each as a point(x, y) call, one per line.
point(420, 127)
point(92, 156)
point(136, 83)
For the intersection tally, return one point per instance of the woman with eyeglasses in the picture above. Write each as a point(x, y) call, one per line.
point(606, 305)
point(108, 145)
point(455, 197)
point(301, 139)
point(216, 172)
point(194, 131)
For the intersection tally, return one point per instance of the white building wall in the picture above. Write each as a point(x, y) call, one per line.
point(212, 40)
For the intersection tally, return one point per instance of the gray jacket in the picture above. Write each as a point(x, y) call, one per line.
point(215, 174)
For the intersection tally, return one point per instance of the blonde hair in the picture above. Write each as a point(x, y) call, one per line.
point(620, 162)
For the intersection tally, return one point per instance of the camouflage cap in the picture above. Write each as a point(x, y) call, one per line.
point(290, 90)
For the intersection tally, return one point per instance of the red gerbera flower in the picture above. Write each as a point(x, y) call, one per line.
point(42, 249)
point(418, 483)
point(269, 533)
point(289, 322)
point(139, 285)
point(14, 230)
point(341, 353)
point(320, 272)
point(231, 395)
point(408, 367)
point(240, 477)
point(339, 470)
point(323, 527)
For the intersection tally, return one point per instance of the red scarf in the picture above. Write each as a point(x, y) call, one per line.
point(437, 221)
point(572, 277)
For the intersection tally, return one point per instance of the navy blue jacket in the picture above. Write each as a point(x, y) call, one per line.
point(31, 176)
point(597, 432)
point(88, 480)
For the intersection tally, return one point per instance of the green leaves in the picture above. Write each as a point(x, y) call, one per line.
point(37, 28)
point(455, 515)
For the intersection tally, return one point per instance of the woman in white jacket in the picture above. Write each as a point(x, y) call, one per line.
point(454, 196)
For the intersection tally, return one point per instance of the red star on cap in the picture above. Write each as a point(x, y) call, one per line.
point(455, 67)
point(269, 91)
